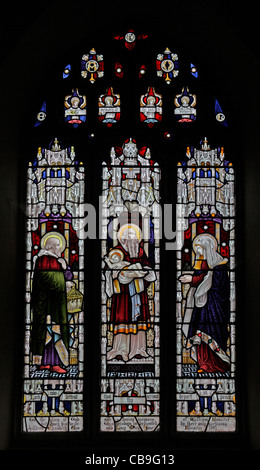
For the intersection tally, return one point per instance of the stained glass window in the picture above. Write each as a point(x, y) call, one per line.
point(220, 116)
point(92, 66)
point(185, 106)
point(194, 71)
point(109, 107)
point(205, 308)
point(151, 107)
point(130, 341)
point(54, 318)
point(75, 108)
point(41, 116)
point(130, 38)
point(167, 65)
point(158, 100)
point(66, 71)
point(119, 70)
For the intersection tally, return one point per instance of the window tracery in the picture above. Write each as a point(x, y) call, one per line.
point(170, 99)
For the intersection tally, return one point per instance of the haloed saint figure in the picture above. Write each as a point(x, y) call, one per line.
point(50, 331)
point(206, 317)
point(128, 274)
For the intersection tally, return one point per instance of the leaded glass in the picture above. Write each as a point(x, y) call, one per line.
point(206, 298)
point(220, 116)
point(41, 116)
point(92, 66)
point(130, 378)
point(194, 71)
point(119, 70)
point(53, 354)
point(130, 38)
point(109, 109)
point(151, 107)
point(167, 65)
point(66, 72)
point(75, 108)
point(130, 342)
point(185, 103)
point(142, 71)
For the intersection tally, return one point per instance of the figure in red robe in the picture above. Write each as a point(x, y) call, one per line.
point(126, 283)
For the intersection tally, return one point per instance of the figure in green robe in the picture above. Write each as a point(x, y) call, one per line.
point(50, 338)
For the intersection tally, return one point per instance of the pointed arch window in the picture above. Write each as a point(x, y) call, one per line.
point(130, 357)
point(129, 124)
point(54, 318)
point(206, 307)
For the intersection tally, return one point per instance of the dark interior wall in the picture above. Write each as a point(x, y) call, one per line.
point(38, 39)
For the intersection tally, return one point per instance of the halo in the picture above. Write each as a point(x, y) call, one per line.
point(57, 235)
point(115, 251)
point(205, 235)
point(128, 226)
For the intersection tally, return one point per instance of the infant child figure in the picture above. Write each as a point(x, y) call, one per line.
point(114, 260)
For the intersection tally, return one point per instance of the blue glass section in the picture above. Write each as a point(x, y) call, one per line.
point(41, 116)
point(67, 71)
point(220, 116)
point(194, 71)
